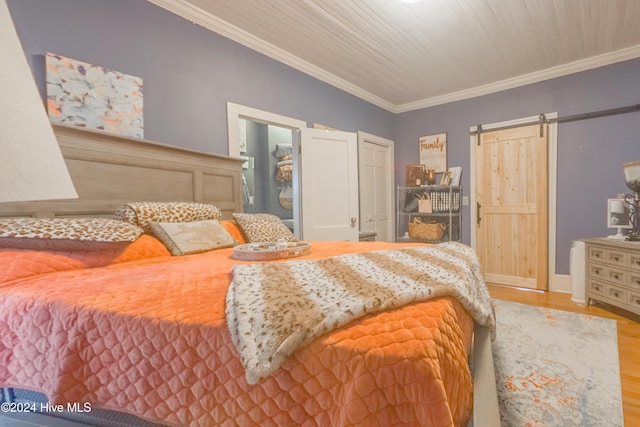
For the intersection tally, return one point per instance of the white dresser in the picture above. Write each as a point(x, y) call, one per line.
point(613, 273)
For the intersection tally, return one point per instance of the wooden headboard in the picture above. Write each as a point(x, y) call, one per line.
point(109, 170)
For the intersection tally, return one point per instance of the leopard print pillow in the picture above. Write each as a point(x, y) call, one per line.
point(65, 234)
point(143, 214)
point(263, 227)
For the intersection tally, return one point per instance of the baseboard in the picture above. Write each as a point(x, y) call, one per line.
point(560, 283)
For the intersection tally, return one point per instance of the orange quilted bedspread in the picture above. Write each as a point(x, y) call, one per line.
point(146, 334)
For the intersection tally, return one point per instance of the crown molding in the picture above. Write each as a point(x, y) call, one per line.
point(203, 18)
point(525, 79)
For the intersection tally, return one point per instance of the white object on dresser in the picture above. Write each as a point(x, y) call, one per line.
point(613, 273)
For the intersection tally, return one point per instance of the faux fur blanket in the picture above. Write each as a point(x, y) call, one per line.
point(272, 309)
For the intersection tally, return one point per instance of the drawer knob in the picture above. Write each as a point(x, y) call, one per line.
point(615, 294)
point(638, 262)
point(637, 282)
point(597, 254)
point(615, 276)
point(615, 258)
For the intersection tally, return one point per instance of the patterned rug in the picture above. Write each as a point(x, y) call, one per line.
point(556, 368)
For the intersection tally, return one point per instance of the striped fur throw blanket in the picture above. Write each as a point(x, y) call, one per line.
point(274, 308)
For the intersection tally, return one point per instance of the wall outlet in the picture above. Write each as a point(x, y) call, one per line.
point(465, 200)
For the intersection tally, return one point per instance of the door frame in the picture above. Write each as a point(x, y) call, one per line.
point(558, 283)
point(363, 138)
point(234, 112)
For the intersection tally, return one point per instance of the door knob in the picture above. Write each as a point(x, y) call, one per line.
point(353, 221)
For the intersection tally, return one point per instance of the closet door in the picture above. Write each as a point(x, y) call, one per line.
point(376, 184)
point(329, 183)
point(512, 210)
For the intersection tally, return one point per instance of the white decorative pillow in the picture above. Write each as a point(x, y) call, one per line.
point(143, 214)
point(263, 227)
point(65, 234)
point(183, 238)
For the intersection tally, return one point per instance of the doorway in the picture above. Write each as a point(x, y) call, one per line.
point(267, 172)
point(242, 123)
point(376, 175)
point(513, 182)
point(328, 208)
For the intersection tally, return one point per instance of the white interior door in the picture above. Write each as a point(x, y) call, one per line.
point(375, 165)
point(329, 179)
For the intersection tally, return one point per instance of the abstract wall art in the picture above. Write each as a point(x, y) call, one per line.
point(93, 97)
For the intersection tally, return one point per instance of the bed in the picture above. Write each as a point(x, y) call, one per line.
point(133, 329)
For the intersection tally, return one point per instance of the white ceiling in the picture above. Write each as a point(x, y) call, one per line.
point(402, 56)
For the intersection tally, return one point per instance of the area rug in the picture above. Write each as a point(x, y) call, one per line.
point(556, 368)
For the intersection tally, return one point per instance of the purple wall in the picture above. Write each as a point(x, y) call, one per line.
point(590, 152)
point(190, 73)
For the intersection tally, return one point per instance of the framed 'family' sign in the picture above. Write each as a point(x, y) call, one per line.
point(433, 152)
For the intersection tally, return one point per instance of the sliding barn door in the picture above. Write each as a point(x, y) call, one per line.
point(512, 206)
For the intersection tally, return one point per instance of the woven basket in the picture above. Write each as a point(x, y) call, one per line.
point(426, 231)
point(268, 251)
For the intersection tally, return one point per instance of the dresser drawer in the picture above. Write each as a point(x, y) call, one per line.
point(615, 257)
point(634, 301)
point(612, 275)
point(597, 288)
point(616, 275)
point(597, 254)
point(634, 281)
point(634, 261)
point(617, 294)
point(597, 271)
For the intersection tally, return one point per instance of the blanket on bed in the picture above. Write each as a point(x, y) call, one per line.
point(275, 308)
point(146, 334)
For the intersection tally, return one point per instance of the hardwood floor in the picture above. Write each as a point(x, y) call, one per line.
point(628, 338)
